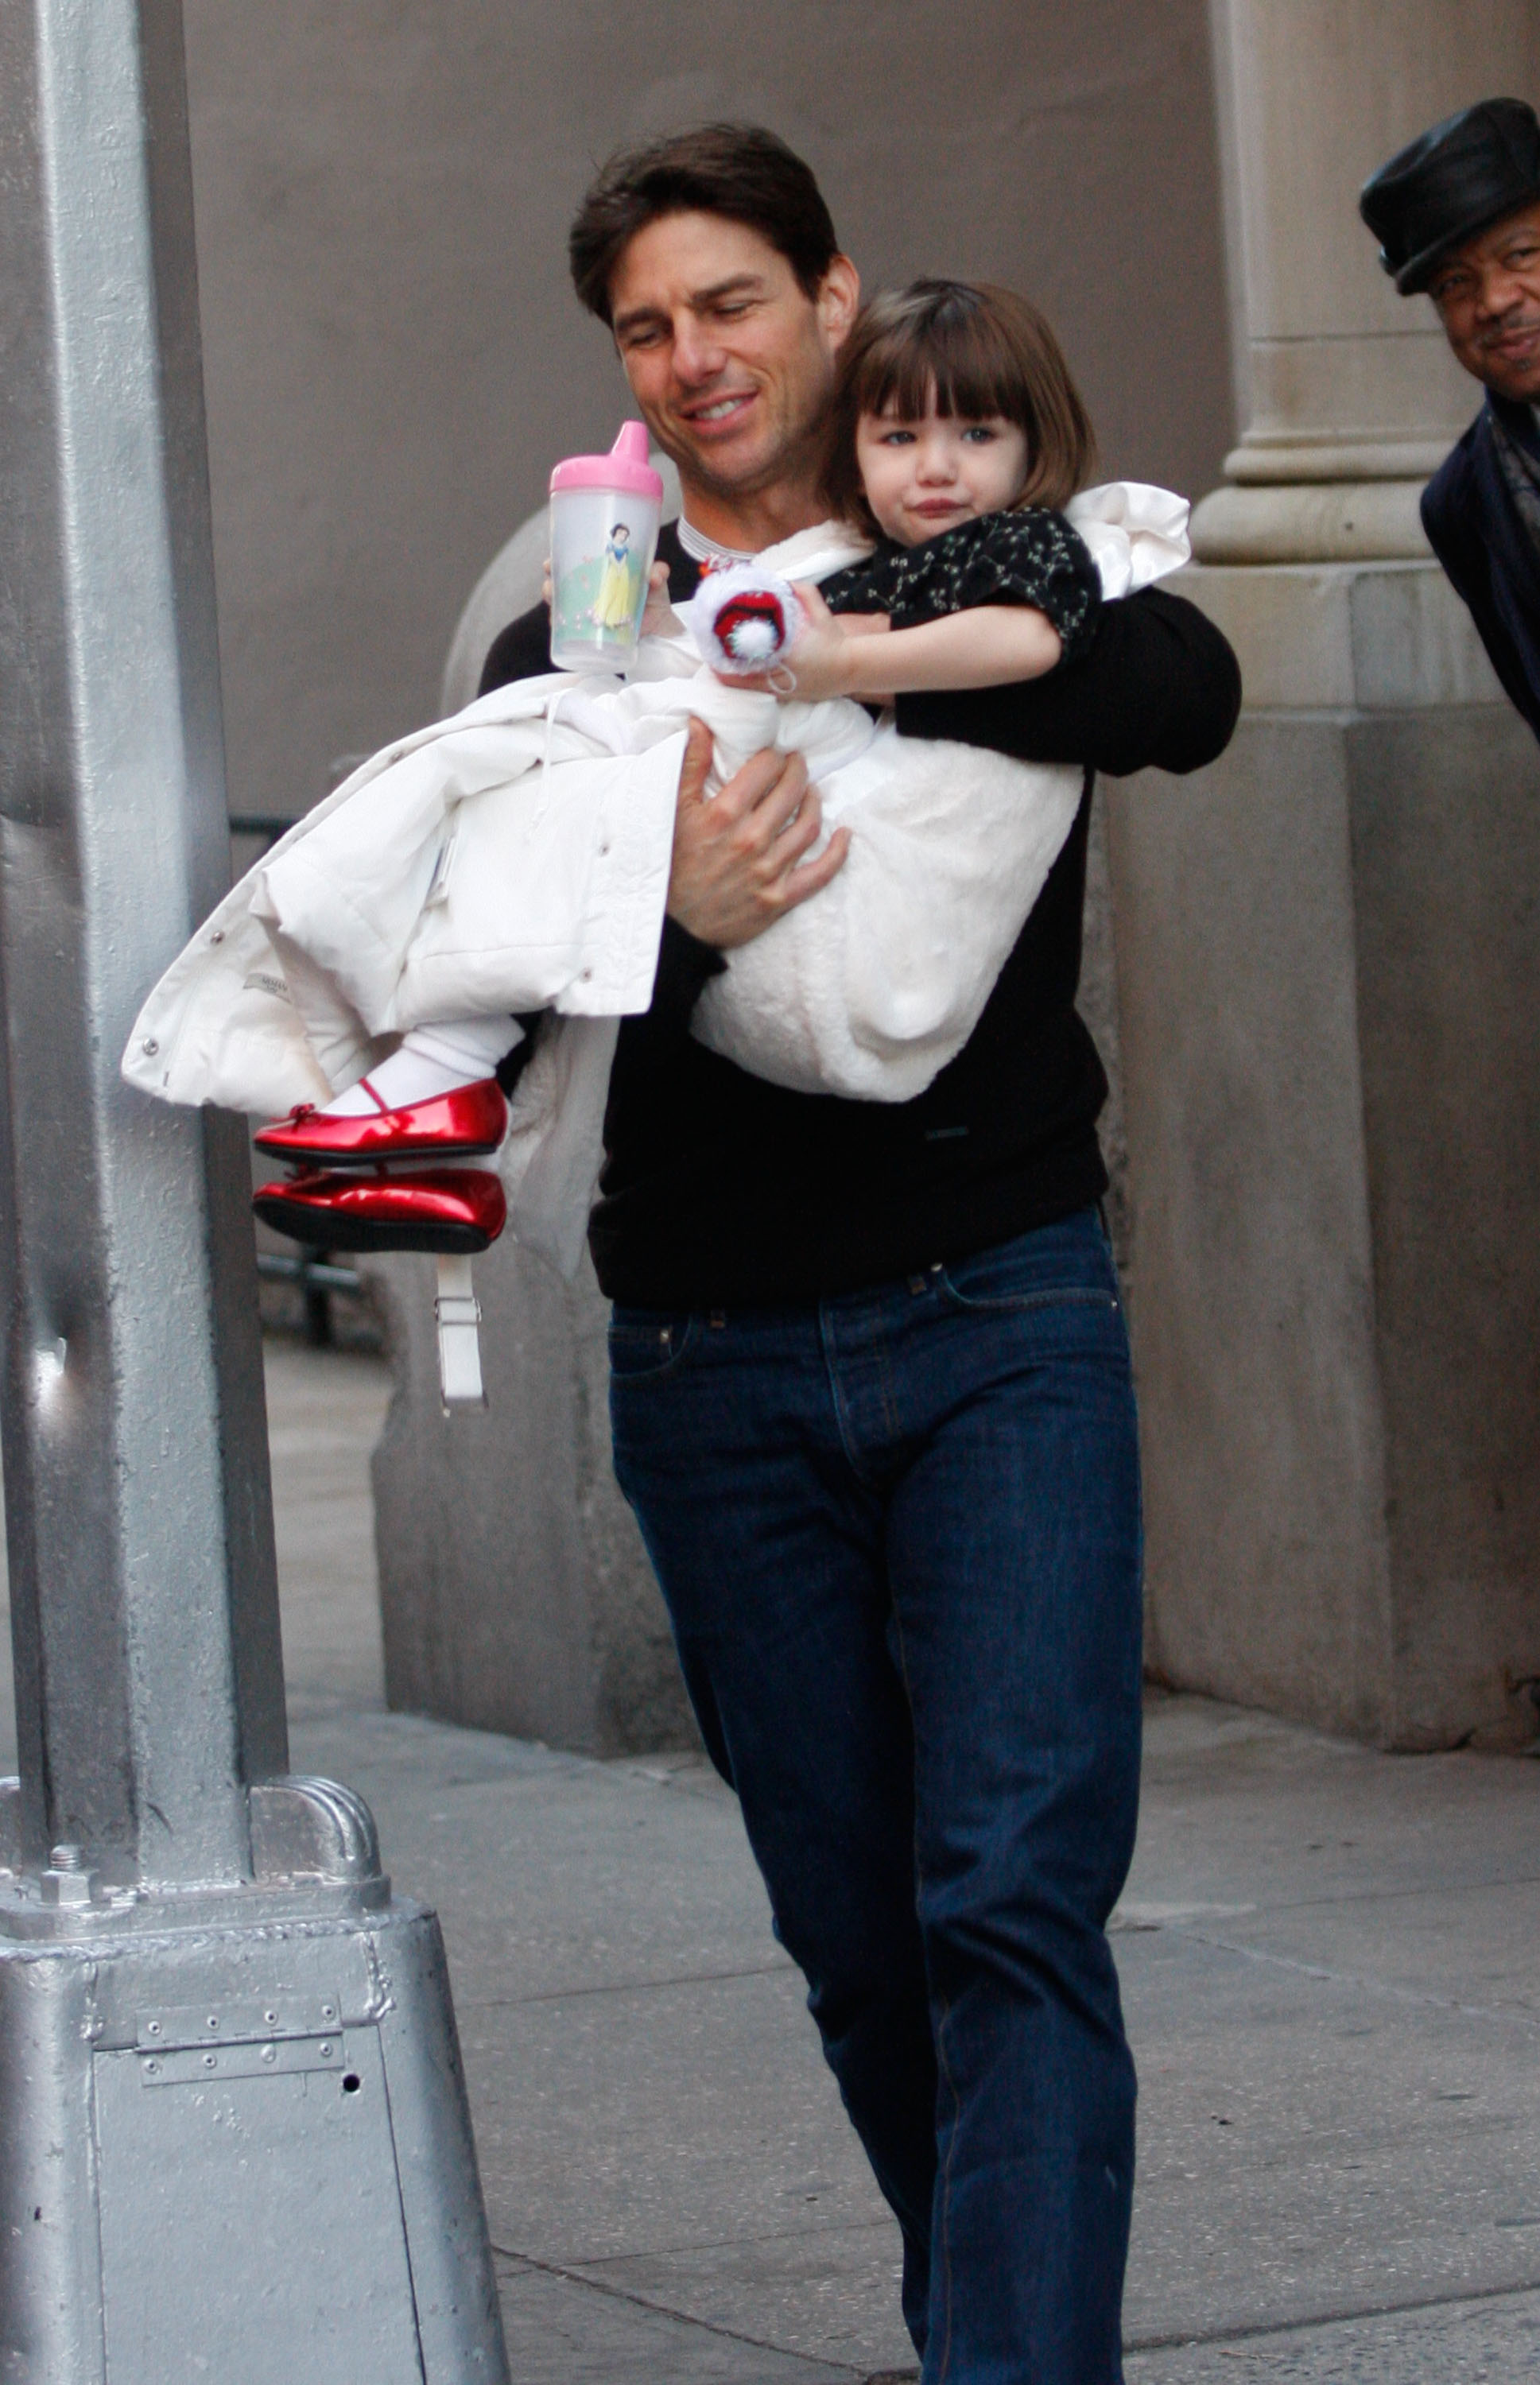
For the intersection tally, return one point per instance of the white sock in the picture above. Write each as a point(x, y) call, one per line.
point(430, 1060)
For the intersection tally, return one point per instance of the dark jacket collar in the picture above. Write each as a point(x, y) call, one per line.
point(1474, 528)
point(1518, 421)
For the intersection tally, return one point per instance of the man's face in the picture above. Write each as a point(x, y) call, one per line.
point(729, 359)
point(1487, 294)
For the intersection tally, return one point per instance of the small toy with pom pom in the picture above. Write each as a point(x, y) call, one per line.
point(745, 620)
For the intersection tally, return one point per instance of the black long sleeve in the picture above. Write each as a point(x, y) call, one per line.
point(1158, 687)
point(719, 1190)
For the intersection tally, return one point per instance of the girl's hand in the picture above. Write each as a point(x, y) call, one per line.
point(825, 660)
point(822, 663)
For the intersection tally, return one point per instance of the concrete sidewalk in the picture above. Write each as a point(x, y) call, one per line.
point(1331, 1973)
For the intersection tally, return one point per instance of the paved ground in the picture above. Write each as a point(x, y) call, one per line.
point(1332, 1977)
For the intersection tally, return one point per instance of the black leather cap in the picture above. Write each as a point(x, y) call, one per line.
point(1467, 173)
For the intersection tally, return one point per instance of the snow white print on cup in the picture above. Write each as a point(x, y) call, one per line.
point(605, 515)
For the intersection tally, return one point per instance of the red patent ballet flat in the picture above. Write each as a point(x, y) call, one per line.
point(463, 1124)
point(453, 1211)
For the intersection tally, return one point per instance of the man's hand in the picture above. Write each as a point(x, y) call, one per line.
point(659, 619)
point(738, 865)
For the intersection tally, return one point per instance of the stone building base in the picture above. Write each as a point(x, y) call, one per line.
point(515, 1592)
point(1328, 987)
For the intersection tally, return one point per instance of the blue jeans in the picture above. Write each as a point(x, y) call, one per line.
point(898, 1534)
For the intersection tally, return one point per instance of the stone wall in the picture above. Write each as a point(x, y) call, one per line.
point(394, 359)
point(515, 1592)
point(392, 353)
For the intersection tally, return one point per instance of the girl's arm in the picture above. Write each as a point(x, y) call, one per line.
point(1158, 688)
point(989, 645)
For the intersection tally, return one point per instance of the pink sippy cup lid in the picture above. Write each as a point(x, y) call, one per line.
point(625, 468)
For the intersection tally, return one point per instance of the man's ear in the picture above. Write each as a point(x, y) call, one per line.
point(839, 297)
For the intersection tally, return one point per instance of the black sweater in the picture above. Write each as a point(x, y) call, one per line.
point(720, 1191)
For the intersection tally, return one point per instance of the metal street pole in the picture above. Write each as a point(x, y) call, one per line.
point(233, 2133)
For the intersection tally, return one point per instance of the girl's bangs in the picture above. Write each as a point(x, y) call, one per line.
point(960, 365)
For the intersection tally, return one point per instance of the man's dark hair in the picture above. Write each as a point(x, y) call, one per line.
point(738, 171)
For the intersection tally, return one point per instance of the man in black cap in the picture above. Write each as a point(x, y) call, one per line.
point(1457, 215)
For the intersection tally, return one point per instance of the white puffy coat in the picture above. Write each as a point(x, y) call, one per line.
point(516, 857)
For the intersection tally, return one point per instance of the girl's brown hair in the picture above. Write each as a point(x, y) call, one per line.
point(973, 350)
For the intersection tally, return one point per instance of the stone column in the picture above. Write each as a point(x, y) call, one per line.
point(1348, 395)
point(1329, 973)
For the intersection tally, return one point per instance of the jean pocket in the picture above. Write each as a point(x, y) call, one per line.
point(644, 1344)
point(1016, 1277)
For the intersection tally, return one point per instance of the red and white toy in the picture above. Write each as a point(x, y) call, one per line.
point(745, 620)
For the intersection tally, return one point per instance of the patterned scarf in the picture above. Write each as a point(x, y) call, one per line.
point(1521, 472)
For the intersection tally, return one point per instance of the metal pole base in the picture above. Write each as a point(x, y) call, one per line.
point(234, 2140)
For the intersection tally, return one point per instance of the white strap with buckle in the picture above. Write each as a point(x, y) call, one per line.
point(459, 1345)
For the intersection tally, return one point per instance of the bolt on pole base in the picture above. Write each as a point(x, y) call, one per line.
point(235, 2130)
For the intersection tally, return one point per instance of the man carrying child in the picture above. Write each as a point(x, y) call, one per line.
point(870, 1391)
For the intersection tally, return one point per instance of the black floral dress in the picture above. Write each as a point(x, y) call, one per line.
point(1032, 557)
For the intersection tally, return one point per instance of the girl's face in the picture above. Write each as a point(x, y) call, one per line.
point(921, 476)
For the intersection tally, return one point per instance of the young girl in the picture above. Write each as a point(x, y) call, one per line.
point(957, 438)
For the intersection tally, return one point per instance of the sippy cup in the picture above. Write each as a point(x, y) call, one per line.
point(604, 513)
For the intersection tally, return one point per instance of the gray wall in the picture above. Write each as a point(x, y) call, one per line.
point(394, 359)
point(1328, 986)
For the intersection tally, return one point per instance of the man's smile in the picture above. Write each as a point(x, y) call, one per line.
point(1512, 340)
point(709, 413)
